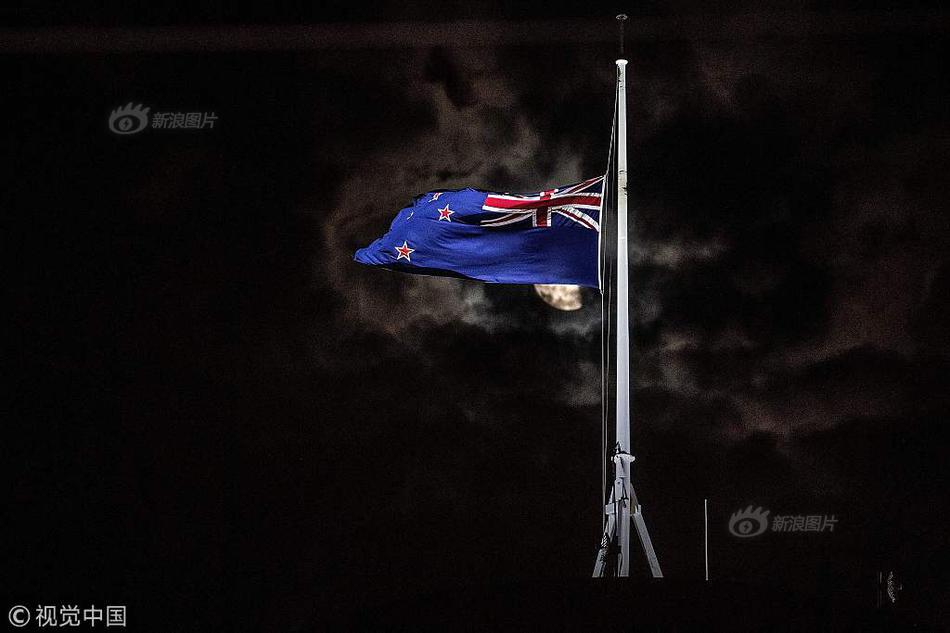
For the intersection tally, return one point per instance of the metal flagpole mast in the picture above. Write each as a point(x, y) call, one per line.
point(614, 556)
point(623, 318)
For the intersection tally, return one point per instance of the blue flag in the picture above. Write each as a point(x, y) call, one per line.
point(550, 237)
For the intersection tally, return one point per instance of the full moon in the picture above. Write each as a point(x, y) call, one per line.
point(562, 297)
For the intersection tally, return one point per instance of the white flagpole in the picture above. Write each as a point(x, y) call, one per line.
point(614, 555)
point(623, 319)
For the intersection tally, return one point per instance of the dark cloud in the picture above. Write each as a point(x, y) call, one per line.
point(442, 69)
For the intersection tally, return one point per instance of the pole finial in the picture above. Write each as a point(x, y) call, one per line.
point(621, 18)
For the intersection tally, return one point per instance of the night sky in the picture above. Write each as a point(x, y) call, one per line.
point(219, 419)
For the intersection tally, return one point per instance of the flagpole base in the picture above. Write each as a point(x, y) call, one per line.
point(613, 557)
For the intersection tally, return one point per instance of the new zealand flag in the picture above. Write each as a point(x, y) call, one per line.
point(550, 237)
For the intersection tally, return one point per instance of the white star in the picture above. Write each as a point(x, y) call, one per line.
point(404, 251)
point(444, 214)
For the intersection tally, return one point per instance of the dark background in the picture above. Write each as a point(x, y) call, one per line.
point(218, 419)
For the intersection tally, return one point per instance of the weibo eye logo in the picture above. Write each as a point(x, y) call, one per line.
point(749, 522)
point(128, 119)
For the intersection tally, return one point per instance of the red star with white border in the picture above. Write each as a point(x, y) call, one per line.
point(404, 251)
point(444, 214)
